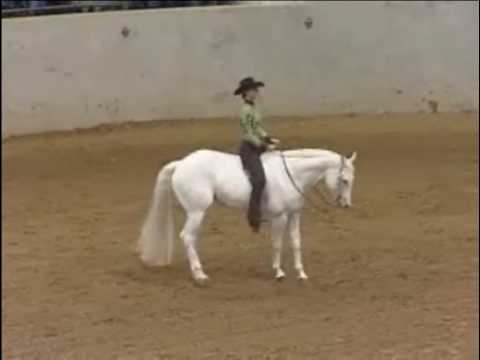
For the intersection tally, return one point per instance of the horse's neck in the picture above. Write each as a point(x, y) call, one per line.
point(309, 166)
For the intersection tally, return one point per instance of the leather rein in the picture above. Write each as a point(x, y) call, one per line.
point(297, 188)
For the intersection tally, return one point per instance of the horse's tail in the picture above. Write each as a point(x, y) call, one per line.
point(157, 238)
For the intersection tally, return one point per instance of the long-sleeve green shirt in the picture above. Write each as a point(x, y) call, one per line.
point(252, 126)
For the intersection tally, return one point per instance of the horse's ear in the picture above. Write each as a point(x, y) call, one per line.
point(353, 156)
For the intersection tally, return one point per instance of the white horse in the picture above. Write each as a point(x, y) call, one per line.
point(204, 176)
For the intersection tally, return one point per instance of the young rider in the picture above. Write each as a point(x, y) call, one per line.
point(255, 141)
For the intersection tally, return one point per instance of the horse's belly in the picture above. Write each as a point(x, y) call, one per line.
point(233, 188)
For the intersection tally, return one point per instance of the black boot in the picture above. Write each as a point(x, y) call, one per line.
point(254, 215)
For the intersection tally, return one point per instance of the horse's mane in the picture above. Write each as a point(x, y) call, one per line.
point(293, 153)
point(309, 153)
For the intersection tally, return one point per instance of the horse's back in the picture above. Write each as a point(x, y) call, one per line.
point(216, 155)
point(211, 154)
point(211, 173)
point(212, 165)
point(205, 161)
point(222, 165)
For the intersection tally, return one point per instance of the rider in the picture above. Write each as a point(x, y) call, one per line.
point(255, 141)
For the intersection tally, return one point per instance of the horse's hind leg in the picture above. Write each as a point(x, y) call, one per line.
point(190, 235)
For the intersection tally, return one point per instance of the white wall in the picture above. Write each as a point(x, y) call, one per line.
point(62, 72)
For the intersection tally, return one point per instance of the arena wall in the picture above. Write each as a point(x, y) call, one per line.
point(71, 71)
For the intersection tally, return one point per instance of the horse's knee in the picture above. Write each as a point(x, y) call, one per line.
point(296, 247)
point(295, 243)
point(186, 238)
point(277, 244)
point(277, 247)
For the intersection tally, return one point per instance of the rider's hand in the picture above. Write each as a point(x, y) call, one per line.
point(271, 147)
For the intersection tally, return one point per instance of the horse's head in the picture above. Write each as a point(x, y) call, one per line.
point(340, 180)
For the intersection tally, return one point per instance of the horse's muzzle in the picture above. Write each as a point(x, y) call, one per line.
point(343, 203)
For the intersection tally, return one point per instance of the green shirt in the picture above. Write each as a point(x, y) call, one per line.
point(252, 126)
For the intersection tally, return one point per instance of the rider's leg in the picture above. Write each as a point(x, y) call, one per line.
point(258, 185)
point(251, 162)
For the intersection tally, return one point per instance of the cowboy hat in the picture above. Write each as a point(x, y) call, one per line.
point(247, 84)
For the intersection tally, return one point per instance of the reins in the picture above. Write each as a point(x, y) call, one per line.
point(297, 188)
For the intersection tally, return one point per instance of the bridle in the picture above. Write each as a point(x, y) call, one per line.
point(322, 195)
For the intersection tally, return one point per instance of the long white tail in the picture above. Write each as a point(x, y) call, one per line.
point(157, 238)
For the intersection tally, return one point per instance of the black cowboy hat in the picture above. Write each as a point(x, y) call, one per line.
point(247, 84)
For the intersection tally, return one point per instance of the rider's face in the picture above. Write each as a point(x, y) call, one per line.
point(251, 95)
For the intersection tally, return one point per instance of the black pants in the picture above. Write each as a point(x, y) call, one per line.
point(250, 156)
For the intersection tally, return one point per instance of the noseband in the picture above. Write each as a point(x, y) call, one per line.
point(339, 180)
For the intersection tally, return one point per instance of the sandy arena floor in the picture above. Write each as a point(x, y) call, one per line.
point(396, 277)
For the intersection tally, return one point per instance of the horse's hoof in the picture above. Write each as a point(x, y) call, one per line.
point(280, 275)
point(201, 280)
point(302, 277)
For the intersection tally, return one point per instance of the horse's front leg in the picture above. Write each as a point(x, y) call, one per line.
point(279, 225)
point(296, 244)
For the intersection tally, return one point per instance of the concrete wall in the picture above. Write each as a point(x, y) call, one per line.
point(62, 72)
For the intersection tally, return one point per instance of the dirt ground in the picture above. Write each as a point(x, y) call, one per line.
point(395, 277)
